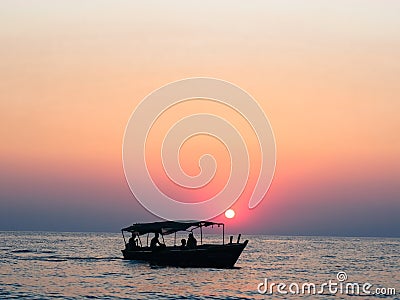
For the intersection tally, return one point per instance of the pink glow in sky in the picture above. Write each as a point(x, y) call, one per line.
point(325, 73)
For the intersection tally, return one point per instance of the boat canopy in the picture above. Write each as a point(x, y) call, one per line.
point(167, 227)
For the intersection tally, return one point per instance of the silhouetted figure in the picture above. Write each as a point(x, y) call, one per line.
point(191, 242)
point(155, 243)
point(183, 244)
point(133, 242)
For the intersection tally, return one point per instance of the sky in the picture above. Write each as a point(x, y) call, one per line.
point(326, 74)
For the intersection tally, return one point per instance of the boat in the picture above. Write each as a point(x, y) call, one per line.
point(202, 255)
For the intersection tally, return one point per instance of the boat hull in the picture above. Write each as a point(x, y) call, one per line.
point(204, 256)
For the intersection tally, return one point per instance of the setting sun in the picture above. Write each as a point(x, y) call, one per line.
point(230, 213)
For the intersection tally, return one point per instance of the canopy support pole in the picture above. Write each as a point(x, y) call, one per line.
point(201, 235)
point(223, 234)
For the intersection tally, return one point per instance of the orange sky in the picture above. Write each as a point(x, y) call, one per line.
point(325, 73)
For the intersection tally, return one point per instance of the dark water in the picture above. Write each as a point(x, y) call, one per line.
point(37, 265)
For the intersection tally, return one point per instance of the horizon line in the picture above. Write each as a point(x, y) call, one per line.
point(226, 233)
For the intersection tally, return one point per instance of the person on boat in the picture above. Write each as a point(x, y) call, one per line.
point(191, 242)
point(183, 244)
point(155, 243)
point(133, 242)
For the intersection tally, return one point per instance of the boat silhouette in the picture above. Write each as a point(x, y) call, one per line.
point(222, 255)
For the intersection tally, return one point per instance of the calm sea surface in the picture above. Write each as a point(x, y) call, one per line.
point(43, 265)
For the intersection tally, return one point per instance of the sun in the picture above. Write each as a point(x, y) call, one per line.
point(230, 213)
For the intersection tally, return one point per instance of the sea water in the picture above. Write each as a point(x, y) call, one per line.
point(49, 265)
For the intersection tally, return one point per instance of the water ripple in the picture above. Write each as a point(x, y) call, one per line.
point(90, 266)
